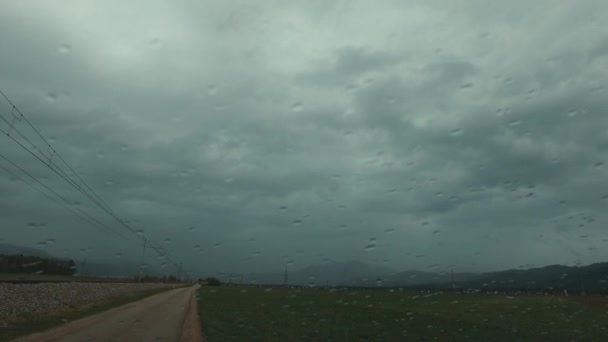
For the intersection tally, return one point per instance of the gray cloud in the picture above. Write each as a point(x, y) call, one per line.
point(463, 135)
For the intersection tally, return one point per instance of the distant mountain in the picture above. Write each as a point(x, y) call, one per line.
point(351, 273)
point(92, 267)
point(416, 278)
point(591, 278)
point(117, 268)
point(13, 249)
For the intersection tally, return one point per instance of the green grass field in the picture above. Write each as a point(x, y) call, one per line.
point(257, 314)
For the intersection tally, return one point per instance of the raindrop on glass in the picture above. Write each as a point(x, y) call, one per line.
point(456, 132)
point(65, 49)
point(515, 123)
point(296, 107)
point(51, 97)
point(466, 85)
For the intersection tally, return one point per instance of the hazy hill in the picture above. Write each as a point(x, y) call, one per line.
point(13, 249)
point(591, 278)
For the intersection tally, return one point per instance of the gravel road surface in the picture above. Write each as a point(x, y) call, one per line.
point(155, 318)
point(19, 299)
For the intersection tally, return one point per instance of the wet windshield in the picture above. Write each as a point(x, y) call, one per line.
point(342, 169)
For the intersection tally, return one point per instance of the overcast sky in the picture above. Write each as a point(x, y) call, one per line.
point(251, 135)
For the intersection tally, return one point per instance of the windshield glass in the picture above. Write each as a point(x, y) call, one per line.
point(407, 148)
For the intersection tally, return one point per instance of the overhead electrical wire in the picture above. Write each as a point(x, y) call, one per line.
point(84, 189)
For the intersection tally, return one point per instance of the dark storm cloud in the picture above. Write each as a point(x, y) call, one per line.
point(348, 63)
point(443, 132)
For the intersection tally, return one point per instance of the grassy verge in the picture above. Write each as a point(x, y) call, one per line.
point(233, 314)
point(37, 322)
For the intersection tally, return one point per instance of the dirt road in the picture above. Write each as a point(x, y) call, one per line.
point(157, 318)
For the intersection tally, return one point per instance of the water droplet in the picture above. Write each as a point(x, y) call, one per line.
point(212, 90)
point(466, 85)
point(283, 208)
point(52, 140)
point(154, 42)
point(425, 223)
point(109, 183)
point(296, 107)
point(599, 164)
point(32, 225)
point(228, 180)
point(297, 222)
point(515, 123)
point(65, 49)
point(456, 132)
point(51, 97)
point(100, 154)
point(437, 231)
point(572, 113)
point(217, 244)
point(389, 230)
point(191, 228)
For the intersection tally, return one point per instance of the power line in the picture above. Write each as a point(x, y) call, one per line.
point(90, 219)
point(88, 192)
point(64, 176)
point(49, 161)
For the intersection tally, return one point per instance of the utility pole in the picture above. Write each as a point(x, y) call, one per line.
point(285, 278)
point(141, 264)
point(453, 286)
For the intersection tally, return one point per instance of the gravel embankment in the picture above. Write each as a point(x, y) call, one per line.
point(18, 299)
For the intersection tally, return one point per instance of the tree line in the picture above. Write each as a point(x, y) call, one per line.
point(18, 263)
